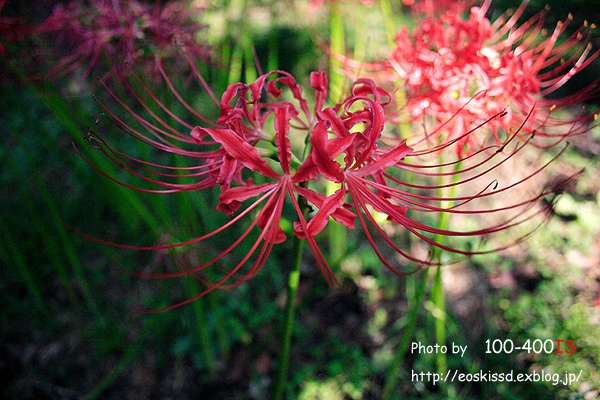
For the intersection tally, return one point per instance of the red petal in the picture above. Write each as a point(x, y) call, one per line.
point(337, 124)
point(198, 134)
point(265, 215)
point(241, 150)
point(282, 129)
point(319, 82)
point(241, 193)
point(227, 170)
point(320, 154)
point(328, 206)
point(386, 160)
point(307, 171)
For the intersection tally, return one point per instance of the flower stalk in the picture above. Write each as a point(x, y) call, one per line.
point(288, 321)
point(338, 45)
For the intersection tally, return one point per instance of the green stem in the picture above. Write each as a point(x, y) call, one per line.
point(361, 36)
point(439, 315)
point(241, 41)
point(273, 57)
point(251, 66)
point(338, 45)
point(290, 310)
point(388, 21)
point(337, 234)
point(437, 292)
point(438, 300)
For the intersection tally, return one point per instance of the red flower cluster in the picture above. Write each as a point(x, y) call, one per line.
point(467, 70)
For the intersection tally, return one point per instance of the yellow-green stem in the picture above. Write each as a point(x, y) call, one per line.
point(337, 45)
point(288, 323)
point(388, 22)
point(337, 233)
point(437, 292)
point(242, 40)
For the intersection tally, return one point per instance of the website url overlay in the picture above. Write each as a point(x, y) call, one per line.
point(455, 375)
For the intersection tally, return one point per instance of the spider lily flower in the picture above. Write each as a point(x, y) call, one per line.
point(270, 153)
point(452, 69)
point(120, 31)
point(227, 152)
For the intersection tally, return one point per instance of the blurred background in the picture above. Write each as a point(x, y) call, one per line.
point(70, 326)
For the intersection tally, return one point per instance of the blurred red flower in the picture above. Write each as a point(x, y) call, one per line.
point(118, 32)
point(457, 72)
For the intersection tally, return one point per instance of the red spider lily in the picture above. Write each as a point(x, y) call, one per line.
point(241, 125)
point(466, 70)
point(268, 132)
point(121, 31)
